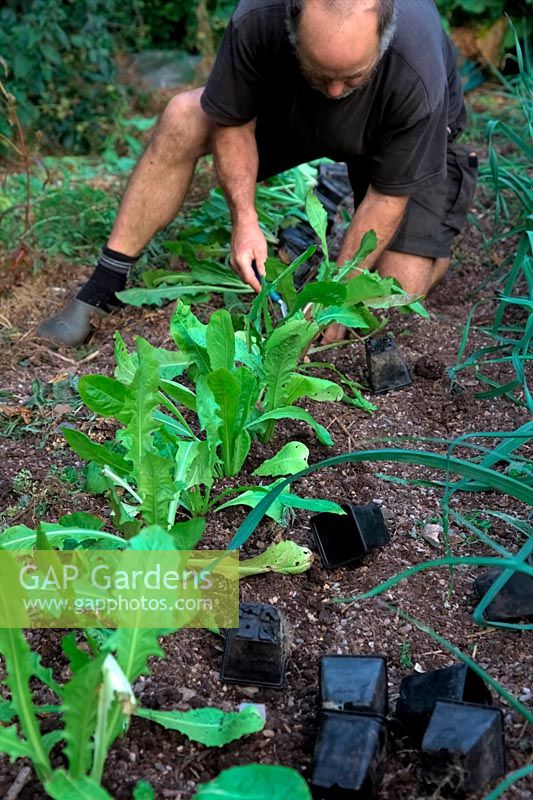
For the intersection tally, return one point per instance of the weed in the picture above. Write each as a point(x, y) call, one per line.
point(405, 655)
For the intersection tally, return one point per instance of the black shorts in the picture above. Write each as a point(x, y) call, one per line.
point(434, 216)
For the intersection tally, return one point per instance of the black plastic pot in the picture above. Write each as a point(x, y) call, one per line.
point(386, 365)
point(463, 747)
point(255, 653)
point(344, 540)
point(513, 602)
point(419, 693)
point(349, 756)
point(333, 189)
point(295, 241)
point(337, 172)
point(354, 684)
point(328, 204)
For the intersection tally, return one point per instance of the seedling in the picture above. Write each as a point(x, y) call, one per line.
point(255, 653)
point(345, 540)
point(419, 692)
point(349, 756)
point(463, 748)
point(354, 683)
point(387, 369)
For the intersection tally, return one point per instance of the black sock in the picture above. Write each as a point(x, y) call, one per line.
point(110, 276)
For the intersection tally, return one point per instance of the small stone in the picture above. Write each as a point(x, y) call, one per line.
point(432, 533)
point(268, 734)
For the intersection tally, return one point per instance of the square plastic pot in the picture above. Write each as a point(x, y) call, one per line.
point(420, 692)
point(354, 684)
point(255, 653)
point(513, 602)
point(463, 747)
point(333, 189)
point(387, 370)
point(344, 540)
point(349, 756)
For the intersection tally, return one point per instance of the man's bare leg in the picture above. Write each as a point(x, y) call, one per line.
point(415, 274)
point(153, 197)
point(162, 176)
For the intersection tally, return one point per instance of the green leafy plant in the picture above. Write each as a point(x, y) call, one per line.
point(96, 702)
point(62, 70)
point(508, 352)
point(166, 462)
point(256, 782)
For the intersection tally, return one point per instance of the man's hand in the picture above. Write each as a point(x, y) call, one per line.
point(248, 244)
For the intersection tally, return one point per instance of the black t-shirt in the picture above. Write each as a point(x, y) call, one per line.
point(394, 130)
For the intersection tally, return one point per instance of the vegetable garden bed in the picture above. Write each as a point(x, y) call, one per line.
point(188, 677)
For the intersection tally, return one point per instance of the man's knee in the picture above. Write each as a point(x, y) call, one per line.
point(415, 274)
point(184, 128)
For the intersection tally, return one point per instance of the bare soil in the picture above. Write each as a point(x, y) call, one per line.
point(318, 626)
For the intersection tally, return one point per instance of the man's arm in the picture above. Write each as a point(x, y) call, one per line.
point(378, 212)
point(237, 162)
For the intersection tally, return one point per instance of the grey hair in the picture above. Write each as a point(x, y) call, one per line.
point(387, 18)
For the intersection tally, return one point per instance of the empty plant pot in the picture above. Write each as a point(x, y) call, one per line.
point(333, 189)
point(338, 172)
point(344, 540)
point(354, 683)
point(349, 756)
point(387, 369)
point(255, 653)
point(463, 747)
point(513, 602)
point(419, 693)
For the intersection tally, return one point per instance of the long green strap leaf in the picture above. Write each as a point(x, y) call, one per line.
point(491, 478)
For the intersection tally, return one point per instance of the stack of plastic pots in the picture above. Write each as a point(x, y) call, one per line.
point(448, 711)
point(255, 653)
point(345, 540)
point(351, 746)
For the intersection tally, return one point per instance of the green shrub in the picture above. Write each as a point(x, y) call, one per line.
point(60, 69)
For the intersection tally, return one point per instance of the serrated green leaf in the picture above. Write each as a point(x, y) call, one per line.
point(62, 786)
point(79, 715)
point(12, 745)
point(292, 457)
point(182, 327)
point(220, 340)
point(285, 557)
point(210, 726)
point(126, 363)
point(17, 661)
point(7, 711)
point(137, 296)
point(256, 782)
point(77, 658)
